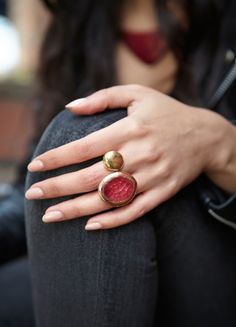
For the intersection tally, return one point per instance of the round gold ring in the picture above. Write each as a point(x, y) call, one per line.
point(118, 189)
point(113, 161)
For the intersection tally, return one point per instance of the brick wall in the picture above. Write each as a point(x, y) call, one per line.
point(15, 129)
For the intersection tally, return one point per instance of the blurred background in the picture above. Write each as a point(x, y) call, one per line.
point(22, 25)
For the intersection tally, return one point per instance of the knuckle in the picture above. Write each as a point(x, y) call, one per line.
point(161, 151)
point(77, 147)
point(51, 158)
point(84, 149)
point(141, 211)
point(136, 128)
point(136, 87)
point(151, 152)
point(165, 170)
point(174, 186)
point(75, 211)
point(103, 93)
point(92, 179)
point(108, 225)
point(70, 209)
point(52, 188)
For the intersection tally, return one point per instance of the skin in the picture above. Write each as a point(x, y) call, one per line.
point(165, 145)
point(140, 16)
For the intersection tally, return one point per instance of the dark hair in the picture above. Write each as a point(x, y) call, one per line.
point(78, 52)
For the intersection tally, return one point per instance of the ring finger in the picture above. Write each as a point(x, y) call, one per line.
point(84, 205)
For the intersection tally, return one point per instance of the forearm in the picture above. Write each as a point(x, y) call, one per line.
point(221, 162)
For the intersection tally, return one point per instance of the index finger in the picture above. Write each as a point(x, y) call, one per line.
point(121, 96)
point(89, 147)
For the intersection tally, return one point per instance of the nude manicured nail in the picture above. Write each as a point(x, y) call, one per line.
point(52, 216)
point(34, 193)
point(93, 226)
point(75, 103)
point(35, 165)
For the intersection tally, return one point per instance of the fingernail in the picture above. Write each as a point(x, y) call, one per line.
point(34, 193)
point(93, 226)
point(35, 165)
point(52, 216)
point(75, 103)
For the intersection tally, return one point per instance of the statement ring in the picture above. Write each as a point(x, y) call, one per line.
point(118, 188)
point(113, 161)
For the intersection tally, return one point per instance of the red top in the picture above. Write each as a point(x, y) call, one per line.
point(148, 46)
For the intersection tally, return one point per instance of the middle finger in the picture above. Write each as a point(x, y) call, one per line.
point(81, 181)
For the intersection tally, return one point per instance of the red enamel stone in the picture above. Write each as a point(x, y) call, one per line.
point(118, 188)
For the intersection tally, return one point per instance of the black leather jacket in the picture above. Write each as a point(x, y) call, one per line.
point(219, 94)
point(217, 90)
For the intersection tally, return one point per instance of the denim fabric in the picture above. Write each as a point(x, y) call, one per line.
point(173, 267)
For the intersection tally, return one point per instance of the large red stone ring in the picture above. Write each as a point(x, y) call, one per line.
point(118, 188)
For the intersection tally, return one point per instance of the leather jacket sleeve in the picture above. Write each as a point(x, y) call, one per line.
point(219, 204)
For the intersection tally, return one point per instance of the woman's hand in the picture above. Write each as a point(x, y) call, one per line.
point(165, 145)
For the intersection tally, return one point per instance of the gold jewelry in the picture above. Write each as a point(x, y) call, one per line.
point(113, 161)
point(118, 189)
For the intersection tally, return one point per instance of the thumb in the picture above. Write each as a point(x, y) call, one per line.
point(110, 98)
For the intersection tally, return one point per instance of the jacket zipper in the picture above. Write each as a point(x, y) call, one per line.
point(221, 219)
point(223, 87)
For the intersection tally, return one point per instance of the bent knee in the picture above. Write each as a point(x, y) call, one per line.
point(67, 127)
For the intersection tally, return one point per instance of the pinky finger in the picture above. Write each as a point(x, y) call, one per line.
point(142, 204)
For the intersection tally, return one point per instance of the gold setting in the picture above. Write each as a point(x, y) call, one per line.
point(113, 161)
point(109, 178)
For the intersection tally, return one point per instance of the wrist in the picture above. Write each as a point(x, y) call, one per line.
point(221, 154)
point(223, 145)
point(217, 141)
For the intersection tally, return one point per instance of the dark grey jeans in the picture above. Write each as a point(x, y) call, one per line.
point(173, 267)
